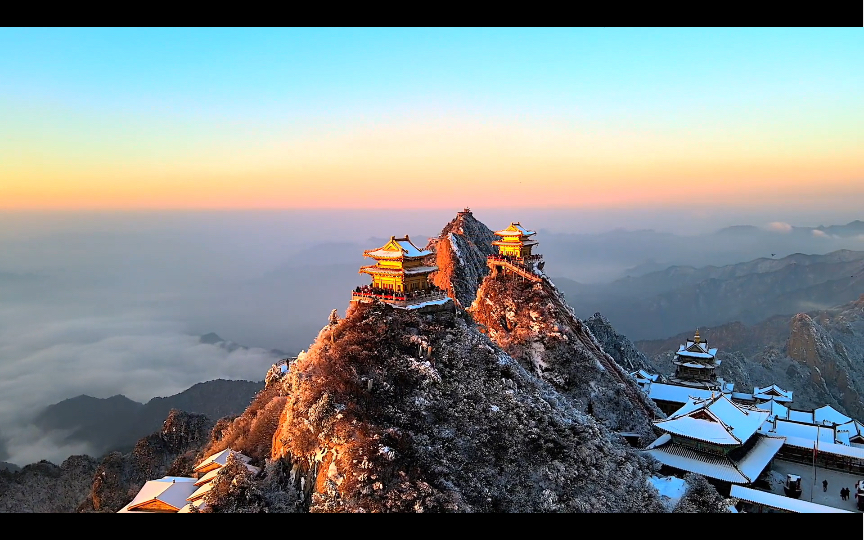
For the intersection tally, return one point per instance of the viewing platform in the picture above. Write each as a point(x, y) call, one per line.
point(403, 300)
point(523, 266)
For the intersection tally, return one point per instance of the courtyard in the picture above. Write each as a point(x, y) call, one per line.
point(831, 497)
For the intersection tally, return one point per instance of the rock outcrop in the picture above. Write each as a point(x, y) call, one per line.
point(396, 411)
point(616, 345)
point(461, 252)
point(532, 323)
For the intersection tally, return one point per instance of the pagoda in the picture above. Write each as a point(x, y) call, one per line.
point(696, 365)
point(400, 267)
point(515, 241)
point(400, 277)
point(514, 253)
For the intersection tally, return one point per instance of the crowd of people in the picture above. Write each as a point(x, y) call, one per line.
point(390, 294)
point(514, 259)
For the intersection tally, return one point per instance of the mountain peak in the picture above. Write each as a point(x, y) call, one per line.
point(210, 339)
point(460, 252)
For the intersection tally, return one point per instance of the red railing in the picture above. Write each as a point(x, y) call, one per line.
point(516, 260)
point(403, 298)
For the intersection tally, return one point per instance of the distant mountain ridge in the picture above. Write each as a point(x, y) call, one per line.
point(117, 423)
point(663, 303)
point(818, 355)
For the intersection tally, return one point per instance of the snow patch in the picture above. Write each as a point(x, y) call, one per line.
point(671, 489)
point(456, 248)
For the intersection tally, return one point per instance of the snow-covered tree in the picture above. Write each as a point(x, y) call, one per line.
point(701, 498)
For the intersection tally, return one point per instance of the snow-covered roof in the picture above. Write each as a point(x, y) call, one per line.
point(853, 452)
point(642, 374)
point(800, 416)
point(220, 459)
point(752, 464)
point(676, 393)
point(826, 416)
point(772, 392)
point(515, 229)
point(695, 365)
point(212, 474)
point(853, 428)
point(696, 348)
point(200, 492)
point(397, 248)
point(810, 432)
point(687, 459)
point(170, 490)
point(742, 396)
point(716, 420)
point(774, 409)
point(782, 503)
point(829, 415)
point(723, 468)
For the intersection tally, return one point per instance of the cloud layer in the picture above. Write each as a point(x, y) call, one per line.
point(46, 360)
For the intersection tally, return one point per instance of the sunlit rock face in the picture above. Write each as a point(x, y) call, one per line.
point(461, 252)
point(396, 411)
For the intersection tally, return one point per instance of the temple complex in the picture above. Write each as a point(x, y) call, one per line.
point(732, 438)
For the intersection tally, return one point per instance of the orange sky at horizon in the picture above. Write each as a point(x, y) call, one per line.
point(431, 167)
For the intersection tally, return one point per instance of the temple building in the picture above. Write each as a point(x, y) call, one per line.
point(514, 254)
point(181, 495)
point(716, 438)
point(400, 266)
point(515, 241)
point(772, 393)
point(400, 277)
point(696, 365)
point(695, 376)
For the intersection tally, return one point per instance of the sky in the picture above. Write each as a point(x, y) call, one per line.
point(154, 119)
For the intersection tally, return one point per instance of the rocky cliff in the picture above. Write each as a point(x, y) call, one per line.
point(531, 322)
point(616, 345)
point(460, 253)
